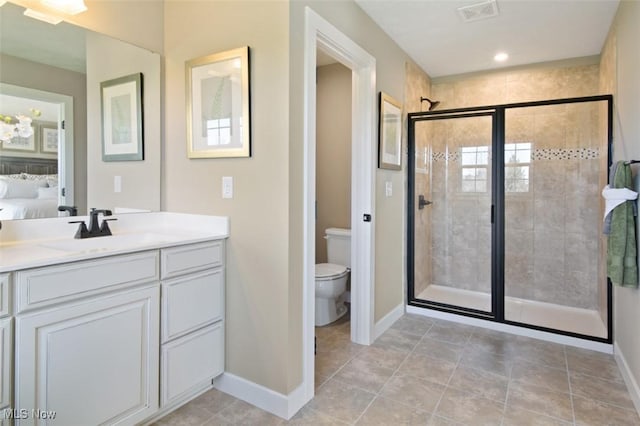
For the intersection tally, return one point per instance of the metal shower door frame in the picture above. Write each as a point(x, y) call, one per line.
point(497, 112)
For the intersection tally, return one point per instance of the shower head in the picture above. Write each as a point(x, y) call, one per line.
point(432, 104)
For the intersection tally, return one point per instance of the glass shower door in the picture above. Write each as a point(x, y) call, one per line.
point(452, 211)
point(555, 166)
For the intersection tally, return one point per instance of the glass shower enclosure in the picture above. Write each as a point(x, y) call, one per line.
point(505, 214)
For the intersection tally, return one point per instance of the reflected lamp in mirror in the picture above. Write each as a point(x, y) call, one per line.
point(218, 116)
point(67, 7)
point(70, 7)
point(16, 127)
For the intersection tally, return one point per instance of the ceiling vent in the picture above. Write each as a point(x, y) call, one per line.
point(476, 12)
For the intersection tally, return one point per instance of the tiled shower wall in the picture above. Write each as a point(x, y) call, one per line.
point(552, 229)
point(417, 85)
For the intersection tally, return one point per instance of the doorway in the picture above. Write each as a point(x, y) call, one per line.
point(57, 115)
point(321, 35)
point(504, 215)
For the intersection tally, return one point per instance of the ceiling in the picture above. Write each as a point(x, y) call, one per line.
point(430, 31)
point(531, 31)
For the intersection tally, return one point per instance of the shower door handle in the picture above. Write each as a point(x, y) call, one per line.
point(422, 202)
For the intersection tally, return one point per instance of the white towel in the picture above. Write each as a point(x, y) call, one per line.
point(615, 196)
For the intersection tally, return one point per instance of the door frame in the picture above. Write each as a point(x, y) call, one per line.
point(320, 34)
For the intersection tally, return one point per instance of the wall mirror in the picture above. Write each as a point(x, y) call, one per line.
point(52, 75)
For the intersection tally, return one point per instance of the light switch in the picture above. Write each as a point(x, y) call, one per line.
point(388, 188)
point(117, 184)
point(227, 186)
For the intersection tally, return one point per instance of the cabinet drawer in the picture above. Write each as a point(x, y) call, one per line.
point(5, 297)
point(191, 302)
point(45, 286)
point(191, 258)
point(189, 363)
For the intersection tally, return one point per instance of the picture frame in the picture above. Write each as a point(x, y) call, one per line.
point(20, 144)
point(48, 137)
point(389, 133)
point(218, 105)
point(122, 118)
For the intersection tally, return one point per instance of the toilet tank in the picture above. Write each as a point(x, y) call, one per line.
point(338, 246)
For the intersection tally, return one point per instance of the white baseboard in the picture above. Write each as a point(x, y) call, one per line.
point(387, 321)
point(513, 329)
point(627, 375)
point(284, 406)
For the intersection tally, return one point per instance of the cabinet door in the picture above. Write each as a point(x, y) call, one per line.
point(6, 349)
point(94, 362)
point(190, 362)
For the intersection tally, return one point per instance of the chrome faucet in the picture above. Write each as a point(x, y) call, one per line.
point(94, 230)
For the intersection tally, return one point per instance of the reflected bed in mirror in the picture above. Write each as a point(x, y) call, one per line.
point(29, 188)
point(64, 65)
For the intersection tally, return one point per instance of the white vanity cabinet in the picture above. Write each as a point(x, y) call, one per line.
point(192, 317)
point(93, 357)
point(113, 331)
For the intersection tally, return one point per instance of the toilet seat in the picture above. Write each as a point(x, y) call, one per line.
point(330, 271)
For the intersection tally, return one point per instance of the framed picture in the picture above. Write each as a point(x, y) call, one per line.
point(122, 119)
point(218, 99)
point(390, 133)
point(49, 138)
point(19, 143)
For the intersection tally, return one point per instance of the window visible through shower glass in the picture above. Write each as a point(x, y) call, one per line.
point(452, 248)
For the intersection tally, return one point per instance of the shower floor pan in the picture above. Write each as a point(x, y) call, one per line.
point(542, 314)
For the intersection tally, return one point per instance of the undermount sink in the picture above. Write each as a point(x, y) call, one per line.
point(113, 242)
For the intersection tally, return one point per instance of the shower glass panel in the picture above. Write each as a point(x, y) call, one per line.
point(452, 212)
point(555, 167)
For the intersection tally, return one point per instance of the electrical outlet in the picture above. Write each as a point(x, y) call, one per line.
point(117, 184)
point(227, 187)
point(389, 188)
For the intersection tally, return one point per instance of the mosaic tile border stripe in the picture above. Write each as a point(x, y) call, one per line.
point(565, 154)
point(536, 154)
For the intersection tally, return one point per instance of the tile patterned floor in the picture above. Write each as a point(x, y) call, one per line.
point(431, 372)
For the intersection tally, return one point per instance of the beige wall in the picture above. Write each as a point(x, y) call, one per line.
point(259, 345)
point(333, 153)
point(25, 73)
point(626, 86)
point(108, 59)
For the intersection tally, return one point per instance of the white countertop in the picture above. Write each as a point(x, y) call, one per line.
point(42, 242)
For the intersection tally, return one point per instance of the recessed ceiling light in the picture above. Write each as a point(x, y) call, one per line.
point(501, 57)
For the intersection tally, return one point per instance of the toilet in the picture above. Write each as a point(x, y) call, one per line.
point(332, 277)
